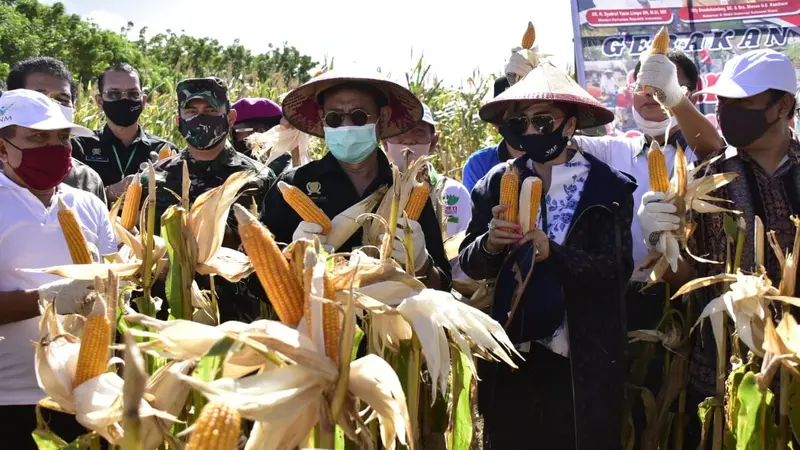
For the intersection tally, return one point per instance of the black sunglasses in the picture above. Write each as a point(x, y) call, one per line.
point(359, 117)
point(543, 124)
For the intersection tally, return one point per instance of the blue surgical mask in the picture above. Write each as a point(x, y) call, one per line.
point(351, 144)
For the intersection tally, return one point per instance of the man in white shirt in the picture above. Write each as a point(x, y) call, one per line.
point(36, 155)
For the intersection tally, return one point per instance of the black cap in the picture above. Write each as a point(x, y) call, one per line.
point(211, 89)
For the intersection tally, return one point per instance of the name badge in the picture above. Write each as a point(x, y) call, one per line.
point(97, 158)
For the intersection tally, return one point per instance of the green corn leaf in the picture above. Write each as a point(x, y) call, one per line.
point(460, 436)
point(182, 267)
point(755, 428)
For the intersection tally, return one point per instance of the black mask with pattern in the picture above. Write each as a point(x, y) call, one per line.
point(204, 132)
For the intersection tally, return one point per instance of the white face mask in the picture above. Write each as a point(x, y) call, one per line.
point(649, 127)
point(68, 112)
point(396, 153)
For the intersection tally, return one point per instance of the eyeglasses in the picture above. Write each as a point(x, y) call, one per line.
point(114, 95)
point(543, 123)
point(335, 119)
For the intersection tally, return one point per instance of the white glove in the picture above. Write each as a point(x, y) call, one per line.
point(654, 218)
point(418, 245)
point(69, 296)
point(307, 230)
point(658, 72)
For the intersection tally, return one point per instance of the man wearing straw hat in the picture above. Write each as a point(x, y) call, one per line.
point(560, 286)
point(36, 154)
point(353, 109)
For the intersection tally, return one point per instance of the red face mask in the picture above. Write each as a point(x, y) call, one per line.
point(44, 168)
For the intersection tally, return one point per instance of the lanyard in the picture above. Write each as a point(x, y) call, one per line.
point(119, 164)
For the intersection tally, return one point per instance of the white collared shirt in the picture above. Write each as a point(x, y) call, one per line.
point(627, 154)
point(31, 238)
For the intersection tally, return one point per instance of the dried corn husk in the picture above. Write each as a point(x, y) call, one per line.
point(278, 140)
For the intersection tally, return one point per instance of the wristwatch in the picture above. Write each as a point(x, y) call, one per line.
point(486, 250)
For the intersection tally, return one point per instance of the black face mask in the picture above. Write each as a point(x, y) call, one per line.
point(539, 147)
point(204, 132)
point(124, 112)
point(743, 126)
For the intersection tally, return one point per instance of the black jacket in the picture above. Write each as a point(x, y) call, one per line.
point(584, 278)
point(328, 186)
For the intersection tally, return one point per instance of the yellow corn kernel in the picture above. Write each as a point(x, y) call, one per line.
point(279, 281)
point(331, 320)
point(529, 37)
point(657, 168)
point(217, 428)
point(130, 210)
point(93, 354)
point(416, 201)
point(165, 152)
point(509, 194)
point(76, 241)
point(660, 42)
point(304, 206)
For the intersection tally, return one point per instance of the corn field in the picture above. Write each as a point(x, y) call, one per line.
point(461, 132)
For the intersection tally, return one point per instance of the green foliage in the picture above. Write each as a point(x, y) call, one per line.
point(30, 28)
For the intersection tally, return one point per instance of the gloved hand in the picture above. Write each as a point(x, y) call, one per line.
point(307, 230)
point(659, 73)
point(69, 295)
point(655, 216)
point(418, 245)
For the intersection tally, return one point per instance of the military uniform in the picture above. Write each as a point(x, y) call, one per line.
point(106, 154)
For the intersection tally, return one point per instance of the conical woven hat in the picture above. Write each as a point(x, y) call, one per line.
point(301, 109)
point(548, 83)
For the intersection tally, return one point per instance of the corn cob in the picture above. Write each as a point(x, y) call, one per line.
point(130, 210)
point(273, 271)
point(76, 242)
point(304, 206)
point(331, 320)
point(529, 37)
point(509, 194)
point(93, 354)
point(416, 201)
point(165, 152)
point(660, 42)
point(657, 168)
point(530, 199)
point(217, 428)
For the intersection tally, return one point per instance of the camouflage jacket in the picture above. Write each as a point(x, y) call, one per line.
point(238, 301)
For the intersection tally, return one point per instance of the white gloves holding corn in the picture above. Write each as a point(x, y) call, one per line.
point(307, 230)
point(657, 219)
point(69, 296)
point(658, 72)
point(418, 244)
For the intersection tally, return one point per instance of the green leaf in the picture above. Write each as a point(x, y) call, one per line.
point(705, 412)
point(460, 436)
point(753, 426)
point(731, 228)
point(210, 366)
point(182, 267)
point(356, 342)
point(734, 380)
point(47, 440)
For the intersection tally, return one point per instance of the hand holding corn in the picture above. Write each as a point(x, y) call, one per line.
point(655, 217)
point(418, 247)
point(68, 294)
point(501, 232)
point(659, 75)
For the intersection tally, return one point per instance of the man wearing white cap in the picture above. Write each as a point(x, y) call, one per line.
point(36, 155)
point(755, 106)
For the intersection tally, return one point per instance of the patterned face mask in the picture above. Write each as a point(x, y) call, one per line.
point(204, 132)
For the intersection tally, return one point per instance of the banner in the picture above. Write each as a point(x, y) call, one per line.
point(611, 35)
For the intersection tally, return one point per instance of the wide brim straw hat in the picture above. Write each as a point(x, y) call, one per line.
point(301, 109)
point(547, 83)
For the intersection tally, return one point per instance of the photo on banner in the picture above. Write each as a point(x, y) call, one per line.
point(611, 36)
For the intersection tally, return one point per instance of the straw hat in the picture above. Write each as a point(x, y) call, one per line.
point(301, 109)
point(548, 83)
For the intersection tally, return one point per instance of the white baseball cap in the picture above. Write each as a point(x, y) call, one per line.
point(427, 115)
point(754, 72)
point(31, 109)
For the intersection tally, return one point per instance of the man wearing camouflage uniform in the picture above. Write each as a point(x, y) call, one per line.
point(205, 119)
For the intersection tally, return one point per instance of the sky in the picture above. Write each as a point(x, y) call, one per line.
point(456, 38)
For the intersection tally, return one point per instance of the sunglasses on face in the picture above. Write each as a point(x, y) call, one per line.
point(335, 119)
point(112, 96)
point(543, 124)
